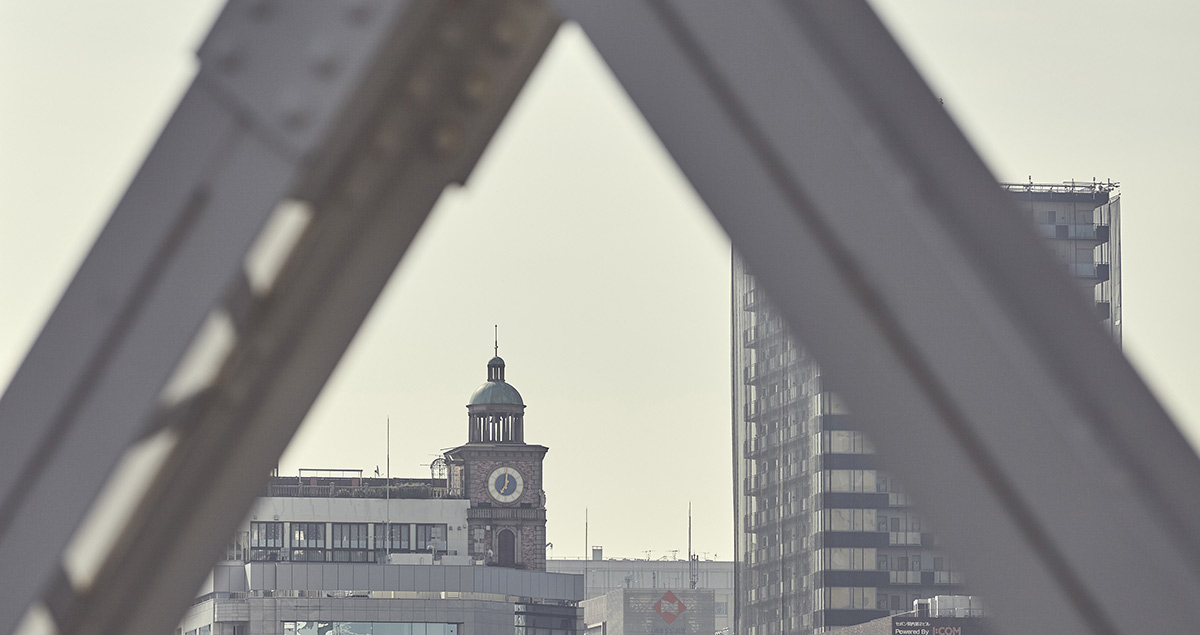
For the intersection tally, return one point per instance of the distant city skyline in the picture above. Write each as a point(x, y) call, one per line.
point(576, 234)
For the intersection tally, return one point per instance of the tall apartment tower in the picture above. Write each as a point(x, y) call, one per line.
point(823, 538)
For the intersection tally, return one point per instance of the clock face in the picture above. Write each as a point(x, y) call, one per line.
point(506, 484)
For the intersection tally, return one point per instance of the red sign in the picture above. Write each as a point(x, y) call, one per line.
point(669, 607)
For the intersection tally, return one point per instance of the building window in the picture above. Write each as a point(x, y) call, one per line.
point(844, 442)
point(846, 481)
point(308, 542)
point(398, 541)
point(845, 519)
point(266, 541)
point(851, 597)
point(350, 543)
point(845, 558)
point(431, 538)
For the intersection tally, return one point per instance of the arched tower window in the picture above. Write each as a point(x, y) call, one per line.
point(506, 548)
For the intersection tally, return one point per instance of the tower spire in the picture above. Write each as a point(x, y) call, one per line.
point(497, 341)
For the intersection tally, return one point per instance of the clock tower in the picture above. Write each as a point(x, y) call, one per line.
point(502, 477)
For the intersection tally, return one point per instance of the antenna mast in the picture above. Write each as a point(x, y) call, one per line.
point(693, 561)
point(585, 552)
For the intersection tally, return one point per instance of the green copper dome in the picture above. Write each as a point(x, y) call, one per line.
point(495, 390)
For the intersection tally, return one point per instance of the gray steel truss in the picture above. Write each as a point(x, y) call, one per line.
point(1045, 461)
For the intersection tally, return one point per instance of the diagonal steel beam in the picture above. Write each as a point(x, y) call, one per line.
point(459, 71)
point(964, 351)
point(366, 111)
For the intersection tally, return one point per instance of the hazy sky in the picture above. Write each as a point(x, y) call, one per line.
point(578, 236)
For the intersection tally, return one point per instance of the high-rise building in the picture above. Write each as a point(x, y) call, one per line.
point(823, 538)
point(1083, 224)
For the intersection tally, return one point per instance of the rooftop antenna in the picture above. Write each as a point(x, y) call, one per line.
point(693, 563)
point(585, 552)
point(497, 341)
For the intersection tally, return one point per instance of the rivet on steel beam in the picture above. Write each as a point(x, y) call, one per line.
point(505, 34)
point(419, 89)
point(293, 114)
point(477, 87)
point(261, 9)
point(448, 139)
point(228, 57)
point(360, 12)
point(357, 188)
point(451, 34)
point(237, 392)
point(389, 140)
point(363, 179)
point(323, 61)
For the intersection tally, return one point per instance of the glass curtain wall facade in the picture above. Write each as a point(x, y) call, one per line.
point(823, 538)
